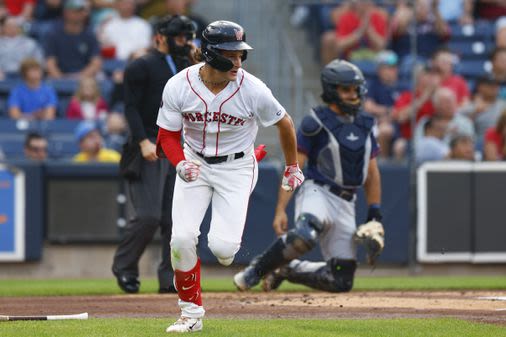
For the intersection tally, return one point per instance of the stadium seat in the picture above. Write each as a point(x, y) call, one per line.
point(65, 87)
point(367, 67)
point(111, 65)
point(471, 49)
point(472, 68)
point(62, 149)
point(480, 31)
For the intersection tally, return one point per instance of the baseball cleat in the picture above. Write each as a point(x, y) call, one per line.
point(246, 279)
point(186, 324)
point(372, 236)
point(273, 280)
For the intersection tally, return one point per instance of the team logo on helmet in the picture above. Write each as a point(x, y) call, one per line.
point(239, 34)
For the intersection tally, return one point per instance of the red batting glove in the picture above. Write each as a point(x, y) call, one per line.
point(292, 178)
point(260, 152)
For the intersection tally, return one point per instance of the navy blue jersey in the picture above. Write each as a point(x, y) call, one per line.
point(338, 151)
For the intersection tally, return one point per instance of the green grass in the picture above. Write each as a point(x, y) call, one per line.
point(108, 286)
point(257, 328)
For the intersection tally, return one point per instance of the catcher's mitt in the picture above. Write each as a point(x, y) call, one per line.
point(372, 236)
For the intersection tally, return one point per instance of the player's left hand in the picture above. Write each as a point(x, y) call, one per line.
point(292, 178)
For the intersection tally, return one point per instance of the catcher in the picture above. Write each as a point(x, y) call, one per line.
point(338, 145)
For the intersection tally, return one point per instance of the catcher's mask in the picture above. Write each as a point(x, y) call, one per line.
point(176, 25)
point(342, 73)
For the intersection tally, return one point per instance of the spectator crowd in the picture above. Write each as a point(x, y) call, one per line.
point(435, 70)
point(63, 61)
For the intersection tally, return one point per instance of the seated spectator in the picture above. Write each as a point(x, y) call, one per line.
point(32, 99)
point(445, 108)
point(461, 148)
point(71, 48)
point(431, 146)
point(420, 105)
point(442, 63)
point(498, 60)
point(381, 95)
point(460, 11)
point(127, 32)
point(431, 29)
point(22, 9)
point(35, 147)
point(116, 131)
point(485, 107)
point(15, 47)
point(87, 103)
point(494, 144)
point(91, 145)
point(361, 32)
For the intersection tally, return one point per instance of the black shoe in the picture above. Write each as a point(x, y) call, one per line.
point(168, 290)
point(128, 283)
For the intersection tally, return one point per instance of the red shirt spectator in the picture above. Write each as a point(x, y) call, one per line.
point(404, 101)
point(78, 109)
point(494, 147)
point(87, 103)
point(16, 7)
point(350, 21)
point(492, 136)
point(458, 85)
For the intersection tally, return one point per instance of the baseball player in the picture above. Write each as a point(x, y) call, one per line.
point(337, 143)
point(218, 105)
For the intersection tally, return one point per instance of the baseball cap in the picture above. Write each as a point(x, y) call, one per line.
point(386, 57)
point(75, 4)
point(83, 129)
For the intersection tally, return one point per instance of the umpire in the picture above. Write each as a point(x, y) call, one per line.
point(150, 181)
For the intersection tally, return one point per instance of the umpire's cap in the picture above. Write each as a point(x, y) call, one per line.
point(223, 35)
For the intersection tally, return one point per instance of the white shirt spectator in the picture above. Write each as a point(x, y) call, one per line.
point(126, 35)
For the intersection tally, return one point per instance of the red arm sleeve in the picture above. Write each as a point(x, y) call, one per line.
point(169, 143)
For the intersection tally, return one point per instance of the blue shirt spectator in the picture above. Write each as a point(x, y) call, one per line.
point(71, 48)
point(32, 99)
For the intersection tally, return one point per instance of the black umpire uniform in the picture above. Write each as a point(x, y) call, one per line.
point(150, 187)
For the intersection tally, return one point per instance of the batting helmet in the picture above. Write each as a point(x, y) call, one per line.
point(342, 73)
point(223, 35)
point(172, 26)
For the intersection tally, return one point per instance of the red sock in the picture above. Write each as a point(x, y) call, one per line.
point(188, 284)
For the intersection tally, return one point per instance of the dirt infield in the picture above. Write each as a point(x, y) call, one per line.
point(470, 305)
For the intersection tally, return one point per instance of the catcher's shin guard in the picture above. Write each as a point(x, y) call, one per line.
point(334, 276)
point(293, 244)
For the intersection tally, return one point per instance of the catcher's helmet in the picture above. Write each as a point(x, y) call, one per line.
point(172, 26)
point(342, 73)
point(223, 35)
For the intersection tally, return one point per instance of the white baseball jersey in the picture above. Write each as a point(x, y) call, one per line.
point(222, 124)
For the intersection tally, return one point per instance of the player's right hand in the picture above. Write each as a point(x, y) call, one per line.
point(148, 150)
point(280, 223)
point(188, 170)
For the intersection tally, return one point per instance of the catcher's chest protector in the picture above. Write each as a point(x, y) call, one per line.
point(345, 158)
